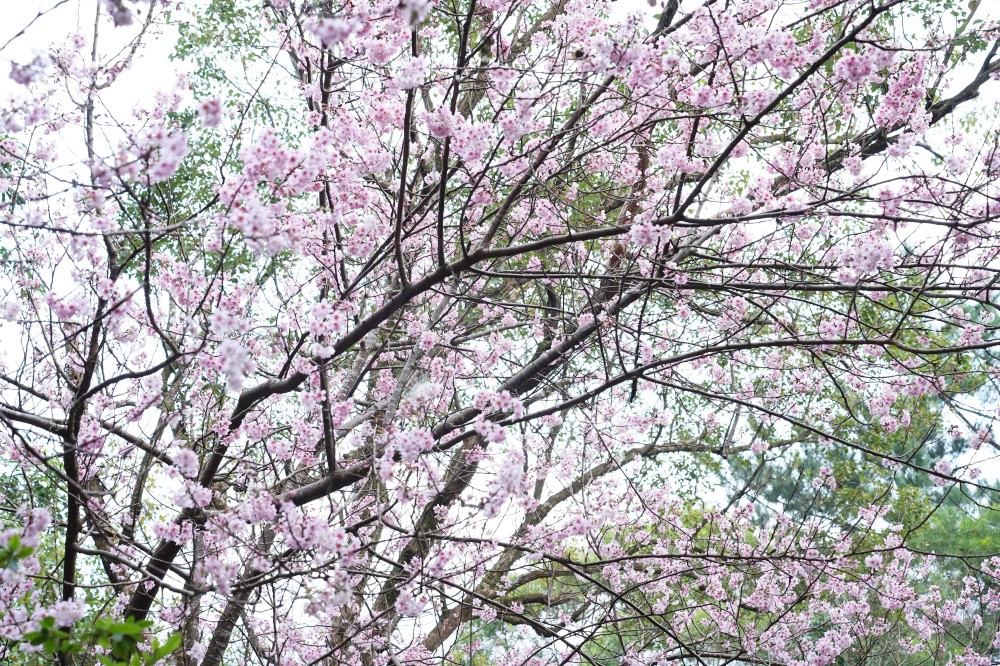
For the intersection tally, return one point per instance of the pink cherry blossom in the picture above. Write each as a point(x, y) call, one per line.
point(395, 333)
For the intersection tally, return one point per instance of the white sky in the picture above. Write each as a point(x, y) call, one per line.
point(136, 87)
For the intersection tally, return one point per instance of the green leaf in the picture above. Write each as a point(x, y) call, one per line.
point(172, 643)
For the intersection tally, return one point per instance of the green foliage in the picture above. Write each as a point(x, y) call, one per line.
point(122, 640)
point(13, 553)
point(962, 531)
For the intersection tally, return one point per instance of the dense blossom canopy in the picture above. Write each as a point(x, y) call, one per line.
point(501, 332)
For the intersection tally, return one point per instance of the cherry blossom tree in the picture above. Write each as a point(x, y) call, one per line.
point(488, 331)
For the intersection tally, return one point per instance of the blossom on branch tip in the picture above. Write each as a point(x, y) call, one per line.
point(210, 112)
